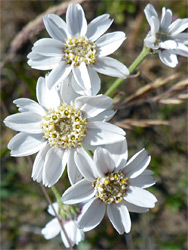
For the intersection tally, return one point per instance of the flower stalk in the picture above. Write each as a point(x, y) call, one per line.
point(144, 53)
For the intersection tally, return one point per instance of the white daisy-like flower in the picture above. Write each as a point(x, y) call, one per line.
point(110, 181)
point(165, 36)
point(57, 126)
point(78, 47)
point(53, 228)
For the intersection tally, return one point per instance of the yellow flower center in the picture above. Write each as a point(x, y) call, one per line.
point(111, 188)
point(79, 49)
point(64, 127)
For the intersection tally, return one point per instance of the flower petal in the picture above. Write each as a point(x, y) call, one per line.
point(93, 105)
point(95, 81)
point(56, 27)
point(53, 167)
point(92, 216)
point(134, 208)
point(166, 18)
point(73, 172)
point(38, 164)
point(25, 104)
point(109, 43)
point(25, 144)
point(137, 164)
point(169, 58)
point(76, 21)
point(79, 192)
point(98, 26)
point(181, 38)
point(181, 50)
point(28, 122)
point(178, 26)
point(51, 229)
point(103, 161)
point(47, 98)
point(37, 61)
point(119, 217)
point(168, 44)
point(149, 12)
point(48, 47)
point(59, 73)
point(143, 180)
point(112, 67)
point(50, 210)
point(140, 197)
point(85, 164)
point(82, 76)
point(101, 133)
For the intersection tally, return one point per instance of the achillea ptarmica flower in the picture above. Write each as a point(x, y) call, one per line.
point(80, 48)
point(109, 180)
point(57, 126)
point(166, 37)
point(53, 228)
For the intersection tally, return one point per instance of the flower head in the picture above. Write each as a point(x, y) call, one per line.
point(166, 36)
point(80, 48)
point(53, 228)
point(57, 126)
point(110, 180)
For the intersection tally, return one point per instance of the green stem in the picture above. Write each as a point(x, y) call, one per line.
point(56, 193)
point(144, 53)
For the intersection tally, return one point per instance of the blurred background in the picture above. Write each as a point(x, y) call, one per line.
point(154, 117)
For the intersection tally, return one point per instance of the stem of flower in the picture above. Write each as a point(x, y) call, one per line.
point(144, 53)
point(56, 193)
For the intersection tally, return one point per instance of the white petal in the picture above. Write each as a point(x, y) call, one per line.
point(154, 25)
point(134, 208)
point(181, 38)
point(98, 26)
point(149, 12)
point(75, 235)
point(79, 192)
point(59, 73)
point(51, 229)
point(25, 104)
point(95, 81)
point(169, 44)
point(169, 58)
point(104, 116)
point(47, 98)
point(55, 26)
point(80, 90)
point(118, 152)
point(109, 43)
point(92, 216)
point(140, 197)
point(178, 26)
point(137, 164)
point(39, 163)
point(67, 92)
point(73, 172)
point(93, 105)
point(181, 50)
point(82, 76)
point(75, 19)
point(53, 167)
point(50, 210)
point(25, 144)
point(37, 61)
point(143, 181)
point(48, 47)
point(85, 164)
point(119, 217)
point(101, 133)
point(112, 67)
point(103, 161)
point(28, 122)
point(166, 18)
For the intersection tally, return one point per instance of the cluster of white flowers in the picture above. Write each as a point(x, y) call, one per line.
point(71, 119)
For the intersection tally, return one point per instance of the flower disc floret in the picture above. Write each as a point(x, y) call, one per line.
point(79, 49)
point(111, 188)
point(64, 127)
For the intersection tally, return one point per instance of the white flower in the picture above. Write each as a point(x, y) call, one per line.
point(78, 47)
point(53, 228)
point(110, 180)
point(59, 125)
point(166, 36)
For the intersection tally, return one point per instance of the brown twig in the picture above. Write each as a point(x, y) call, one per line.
point(50, 202)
